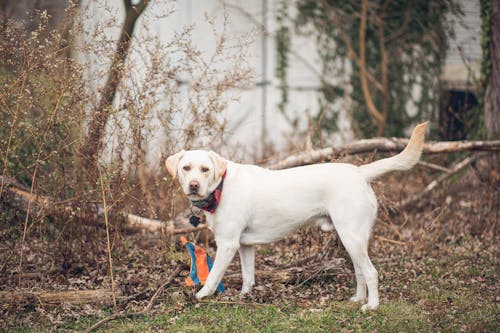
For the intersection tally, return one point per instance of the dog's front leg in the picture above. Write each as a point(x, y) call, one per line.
point(247, 259)
point(223, 257)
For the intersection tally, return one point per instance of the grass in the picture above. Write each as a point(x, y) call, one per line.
point(338, 316)
point(448, 289)
point(464, 314)
point(442, 297)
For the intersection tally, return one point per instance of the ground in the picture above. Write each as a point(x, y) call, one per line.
point(437, 261)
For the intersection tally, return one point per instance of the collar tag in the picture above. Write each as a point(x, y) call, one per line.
point(194, 220)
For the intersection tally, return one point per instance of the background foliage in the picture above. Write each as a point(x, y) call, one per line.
point(411, 35)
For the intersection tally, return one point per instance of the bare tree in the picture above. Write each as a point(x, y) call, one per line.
point(93, 142)
point(360, 59)
point(392, 47)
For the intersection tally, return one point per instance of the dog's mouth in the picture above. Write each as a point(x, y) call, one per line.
point(195, 196)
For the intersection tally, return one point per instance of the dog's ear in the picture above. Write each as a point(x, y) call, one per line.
point(220, 164)
point(172, 162)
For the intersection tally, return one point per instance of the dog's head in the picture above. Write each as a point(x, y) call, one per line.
point(199, 171)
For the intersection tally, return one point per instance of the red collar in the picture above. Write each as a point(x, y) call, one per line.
point(211, 202)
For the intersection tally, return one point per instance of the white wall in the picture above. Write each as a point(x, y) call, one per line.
point(245, 115)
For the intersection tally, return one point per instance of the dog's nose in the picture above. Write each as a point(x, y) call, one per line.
point(194, 186)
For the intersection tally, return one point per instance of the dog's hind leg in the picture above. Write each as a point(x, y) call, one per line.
point(360, 295)
point(357, 247)
point(247, 259)
point(354, 232)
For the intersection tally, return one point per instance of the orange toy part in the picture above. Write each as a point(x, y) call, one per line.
point(201, 264)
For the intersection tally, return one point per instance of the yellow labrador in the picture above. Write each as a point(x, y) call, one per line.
point(247, 205)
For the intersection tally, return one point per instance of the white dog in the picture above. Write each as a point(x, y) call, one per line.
point(247, 205)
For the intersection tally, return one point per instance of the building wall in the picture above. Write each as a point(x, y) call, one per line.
point(253, 123)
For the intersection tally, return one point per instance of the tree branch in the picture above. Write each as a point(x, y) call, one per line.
point(383, 69)
point(381, 145)
point(372, 109)
point(19, 198)
point(352, 53)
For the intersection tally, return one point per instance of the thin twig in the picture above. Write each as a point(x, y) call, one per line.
point(120, 315)
point(390, 240)
point(433, 166)
point(11, 134)
point(438, 181)
point(391, 227)
point(33, 178)
point(25, 228)
point(209, 302)
point(110, 259)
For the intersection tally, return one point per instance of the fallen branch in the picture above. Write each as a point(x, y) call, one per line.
point(19, 199)
point(381, 145)
point(435, 183)
point(140, 222)
point(186, 230)
point(151, 225)
point(56, 298)
point(147, 308)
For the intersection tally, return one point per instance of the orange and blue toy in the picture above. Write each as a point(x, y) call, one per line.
point(201, 264)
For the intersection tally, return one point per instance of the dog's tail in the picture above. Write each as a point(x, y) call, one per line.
point(402, 161)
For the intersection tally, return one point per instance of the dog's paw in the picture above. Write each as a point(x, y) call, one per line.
point(369, 306)
point(356, 299)
point(204, 292)
point(246, 288)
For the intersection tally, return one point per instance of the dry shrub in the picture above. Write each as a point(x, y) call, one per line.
point(172, 95)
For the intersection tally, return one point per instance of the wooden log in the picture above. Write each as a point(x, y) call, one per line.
point(8, 298)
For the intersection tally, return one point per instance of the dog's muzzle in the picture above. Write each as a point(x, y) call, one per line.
point(194, 187)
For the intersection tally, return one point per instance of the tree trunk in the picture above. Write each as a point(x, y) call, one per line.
point(93, 143)
point(492, 95)
point(492, 111)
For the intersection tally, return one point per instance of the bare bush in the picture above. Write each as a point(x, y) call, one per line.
point(171, 95)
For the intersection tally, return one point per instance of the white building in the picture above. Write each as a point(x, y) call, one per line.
point(253, 119)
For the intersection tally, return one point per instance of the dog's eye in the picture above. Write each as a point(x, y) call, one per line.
point(205, 169)
point(186, 168)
